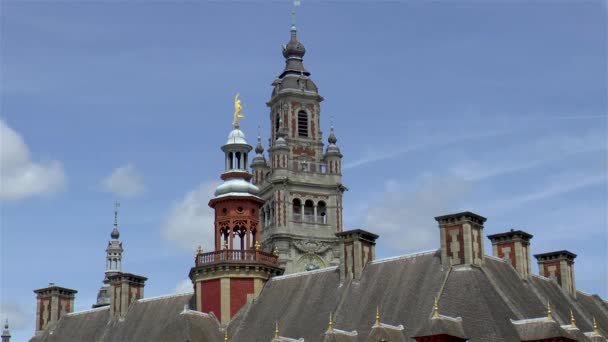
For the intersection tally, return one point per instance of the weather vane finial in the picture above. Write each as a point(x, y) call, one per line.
point(116, 206)
point(238, 108)
point(296, 3)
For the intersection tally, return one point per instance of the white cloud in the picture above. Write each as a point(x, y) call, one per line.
point(404, 219)
point(190, 222)
point(125, 181)
point(184, 286)
point(16, 315)
point(20, 177)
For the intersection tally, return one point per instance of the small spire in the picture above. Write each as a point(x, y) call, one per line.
point(549, 314)
point(595, 329)
point(276, 329)
point(436, 308)
point(572, 320)
point(116, 206)
point(331, 323)
point(377, 315)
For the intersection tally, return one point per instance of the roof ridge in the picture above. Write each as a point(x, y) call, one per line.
point(143, 300)
point(106, 307)
point(297, 274)
point(405, 256)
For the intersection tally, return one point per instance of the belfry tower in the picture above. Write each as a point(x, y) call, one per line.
point(300, 183)
point(233, 273)
point(113, 262)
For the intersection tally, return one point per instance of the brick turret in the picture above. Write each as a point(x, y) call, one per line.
point(560, 267)
point(461, 237)
point(52, 303)
point(514, 247)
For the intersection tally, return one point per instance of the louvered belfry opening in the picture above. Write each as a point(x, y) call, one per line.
point(302, 124)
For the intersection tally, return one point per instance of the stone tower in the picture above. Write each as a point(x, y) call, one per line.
point(113, 263)
point(233, 273)
point(301, 182)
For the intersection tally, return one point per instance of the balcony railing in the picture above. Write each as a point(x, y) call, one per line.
point(308, 218)
point(237, 256)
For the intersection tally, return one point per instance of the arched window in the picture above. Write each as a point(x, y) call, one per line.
point(297, 210)
point(237, 164)
point(277, 123)
point(230, 161)
point(302, 124)
point(309, 211)
point(321, 212)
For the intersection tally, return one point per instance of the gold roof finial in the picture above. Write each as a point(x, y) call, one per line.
point(226, 335)
point(257, 245)
point(572, 320)
point(436, 308)
point(549, 315)
point(377, 315)
point(595, 330)
point(276, 329)
point(238, 108)
point(331, 323)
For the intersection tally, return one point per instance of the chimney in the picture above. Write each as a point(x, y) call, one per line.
point(125, 288)
point(461, 238)
point(560, 267)
point(514, 247)
point(358, 247)
point(52, 303)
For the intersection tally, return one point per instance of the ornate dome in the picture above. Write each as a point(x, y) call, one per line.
point(115, 234)
point(294, 48)
point(236, 186)
point(236, 136)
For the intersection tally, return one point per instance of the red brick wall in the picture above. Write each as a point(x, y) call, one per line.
point(239, 289)
point(211, 297)
point(511, 255)
point(558, 273)
point(460, 238)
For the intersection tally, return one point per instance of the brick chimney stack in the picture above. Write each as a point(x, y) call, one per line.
point(52, 303)
point(358, 247)
point(461, 237)
point(560, 267)
point(514, 247)
point(125, 288)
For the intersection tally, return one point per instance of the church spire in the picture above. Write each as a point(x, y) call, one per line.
point(6, 334)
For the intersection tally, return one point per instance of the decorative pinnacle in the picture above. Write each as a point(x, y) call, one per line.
point(276, 329)
point(377, 315)
point(436, 308)
point(199, 250)
point(296, 3)
point(595, 330)
point(331, 323)
point(257, 245)
point(549, 315)
point(572, 320)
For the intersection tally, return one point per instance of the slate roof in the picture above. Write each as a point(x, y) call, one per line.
point(487, 298)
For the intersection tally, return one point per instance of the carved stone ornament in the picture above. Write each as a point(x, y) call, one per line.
point(311, 246)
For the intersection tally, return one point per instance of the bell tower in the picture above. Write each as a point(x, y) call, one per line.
point(234, 273)
point(301, 183)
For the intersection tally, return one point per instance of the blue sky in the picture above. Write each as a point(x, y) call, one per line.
point(497, 107)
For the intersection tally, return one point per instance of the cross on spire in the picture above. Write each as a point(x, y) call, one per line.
point(116, 206)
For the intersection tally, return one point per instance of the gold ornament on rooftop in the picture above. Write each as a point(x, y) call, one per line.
point(276, 329)
point(331, 323)
point(257, 245)
point(238, 108)
point(226, 335)
point(572, 320)
point(436, 308)
point(377, 323)
point(595, 330)
point(549, 314)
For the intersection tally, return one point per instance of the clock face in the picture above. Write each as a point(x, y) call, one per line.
point(309, 262)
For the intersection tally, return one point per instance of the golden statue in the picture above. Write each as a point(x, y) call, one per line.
point(237, 111)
